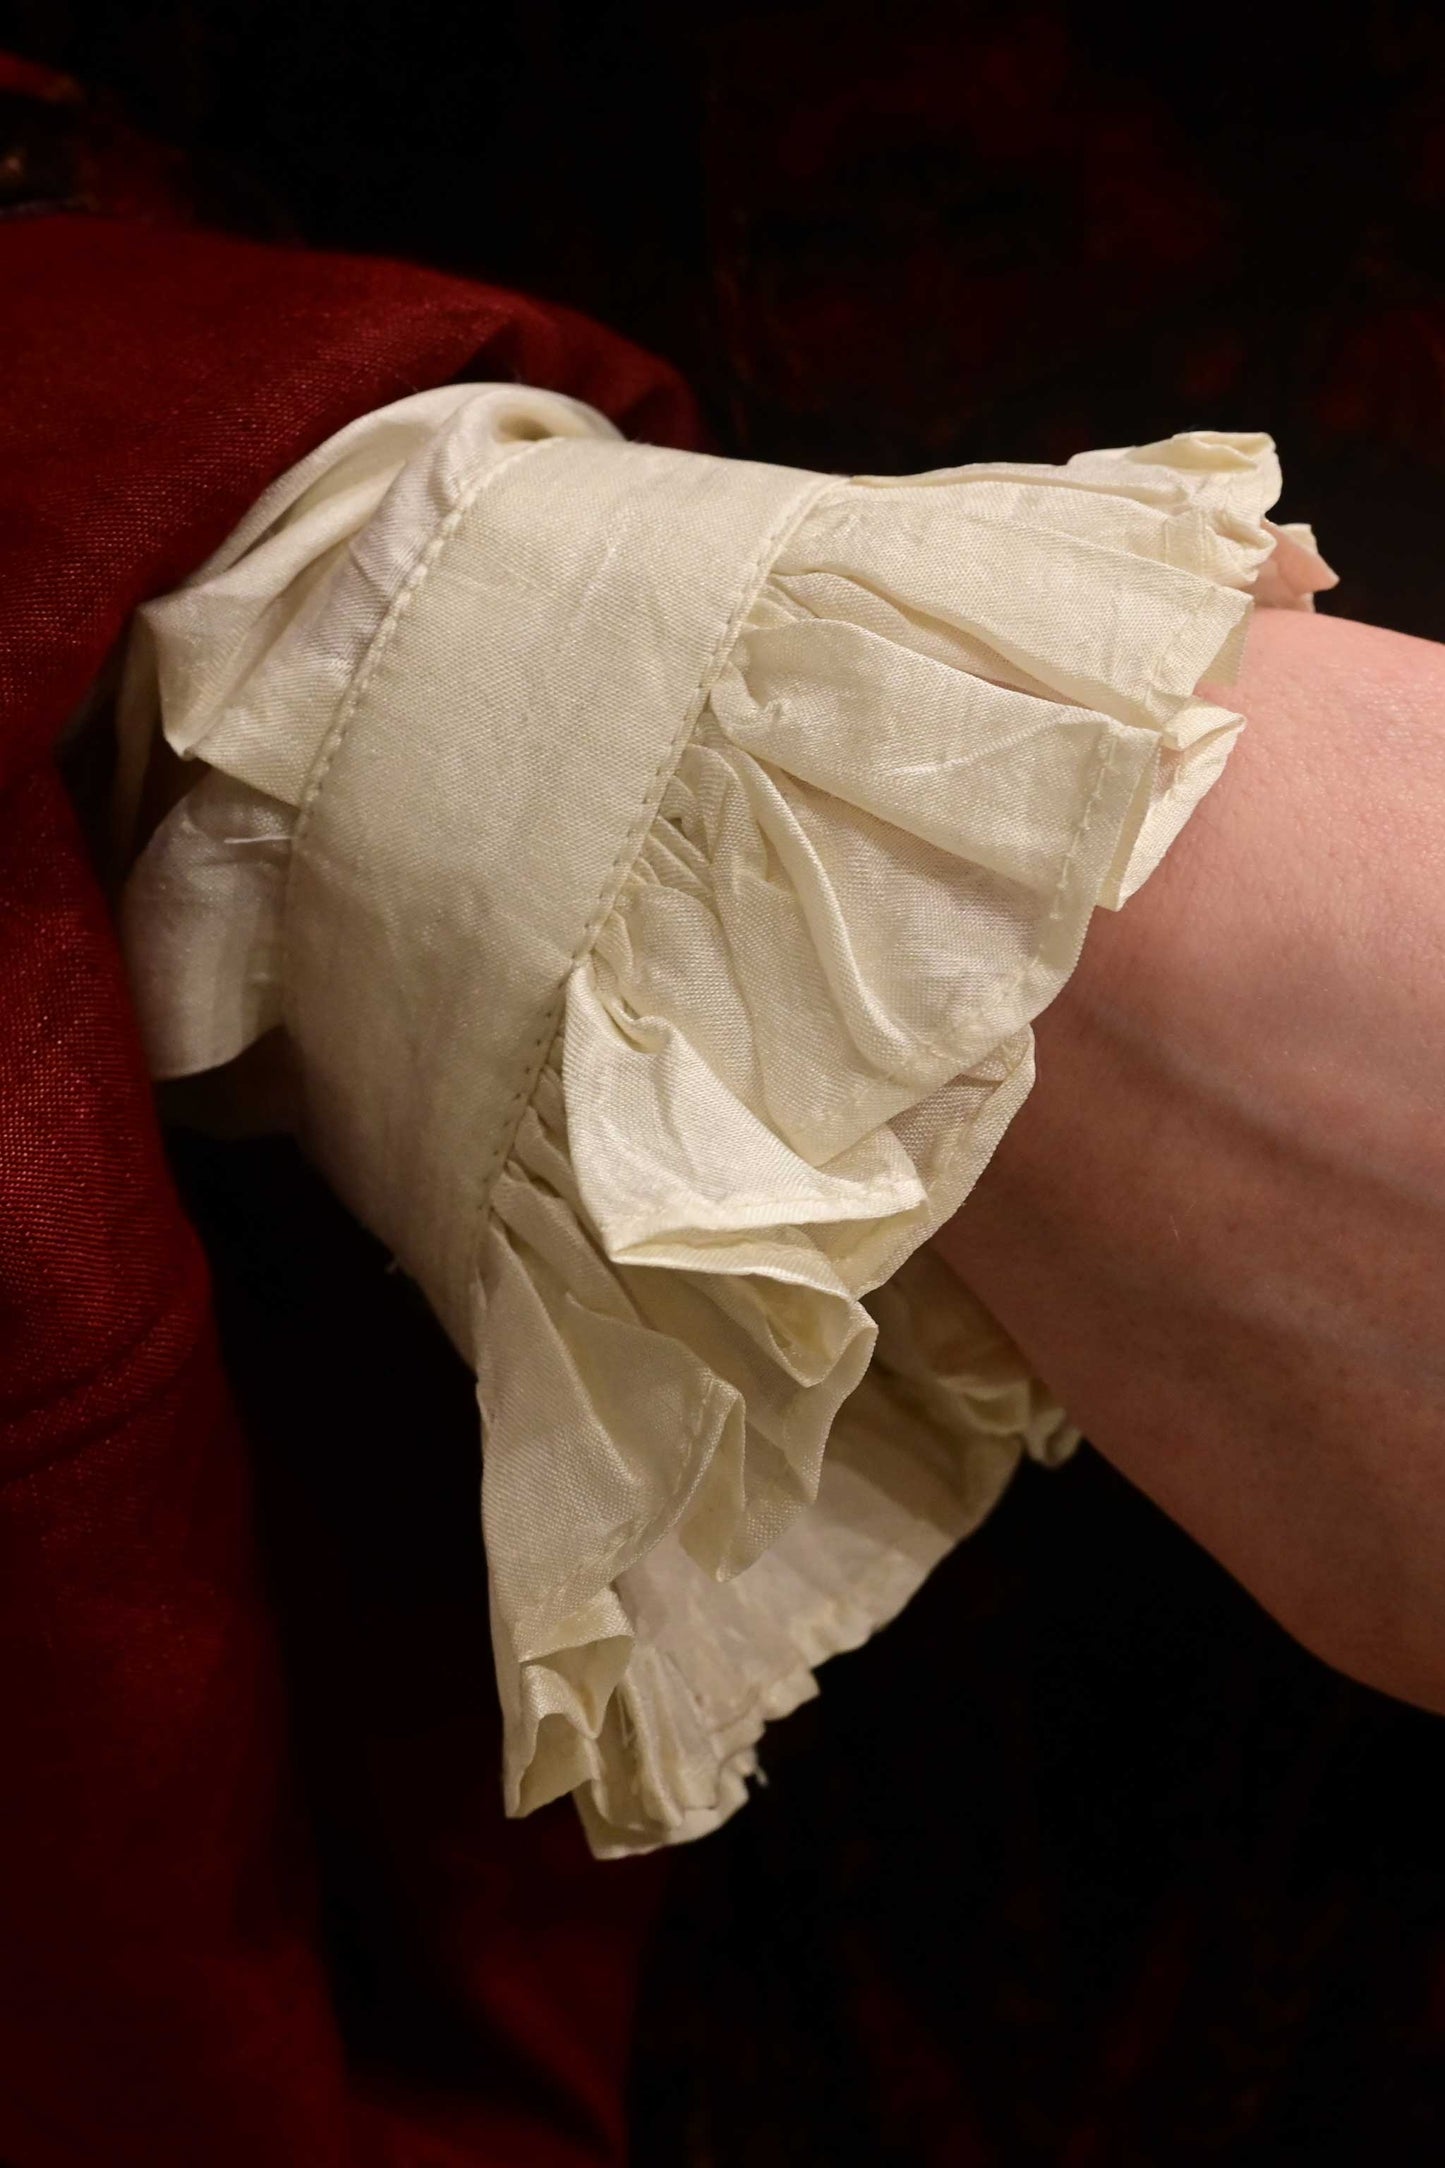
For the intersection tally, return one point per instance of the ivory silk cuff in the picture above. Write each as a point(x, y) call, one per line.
point(654, 864)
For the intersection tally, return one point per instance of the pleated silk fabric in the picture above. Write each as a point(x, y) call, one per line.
point(652, 865)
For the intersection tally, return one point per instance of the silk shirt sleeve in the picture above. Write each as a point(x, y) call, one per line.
point(652, 865)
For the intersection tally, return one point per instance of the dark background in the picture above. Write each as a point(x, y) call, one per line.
point(1082, 1864)
point(880, 237)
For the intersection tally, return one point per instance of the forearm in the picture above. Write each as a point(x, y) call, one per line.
point(1218, 1224)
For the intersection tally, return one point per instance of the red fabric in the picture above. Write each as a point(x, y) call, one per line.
point(165, 1997)
point(155, 380)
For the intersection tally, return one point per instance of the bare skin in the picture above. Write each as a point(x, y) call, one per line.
point(1217, 1227)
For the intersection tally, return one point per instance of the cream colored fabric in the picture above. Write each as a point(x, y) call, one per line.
point(653, 864)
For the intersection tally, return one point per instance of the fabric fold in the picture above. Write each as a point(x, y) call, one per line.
point(733, 1413)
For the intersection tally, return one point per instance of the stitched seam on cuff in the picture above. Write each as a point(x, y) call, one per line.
point(400, 604)
point(535, 1056)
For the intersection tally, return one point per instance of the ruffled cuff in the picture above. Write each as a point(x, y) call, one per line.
point(656, 864)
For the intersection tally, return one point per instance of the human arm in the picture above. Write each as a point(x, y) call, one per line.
point(1217, 1226)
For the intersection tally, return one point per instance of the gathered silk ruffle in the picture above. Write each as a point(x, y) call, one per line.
point(733, 1414)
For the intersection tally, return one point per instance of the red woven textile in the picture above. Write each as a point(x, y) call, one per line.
point(155, 380)
point(165, 1998)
